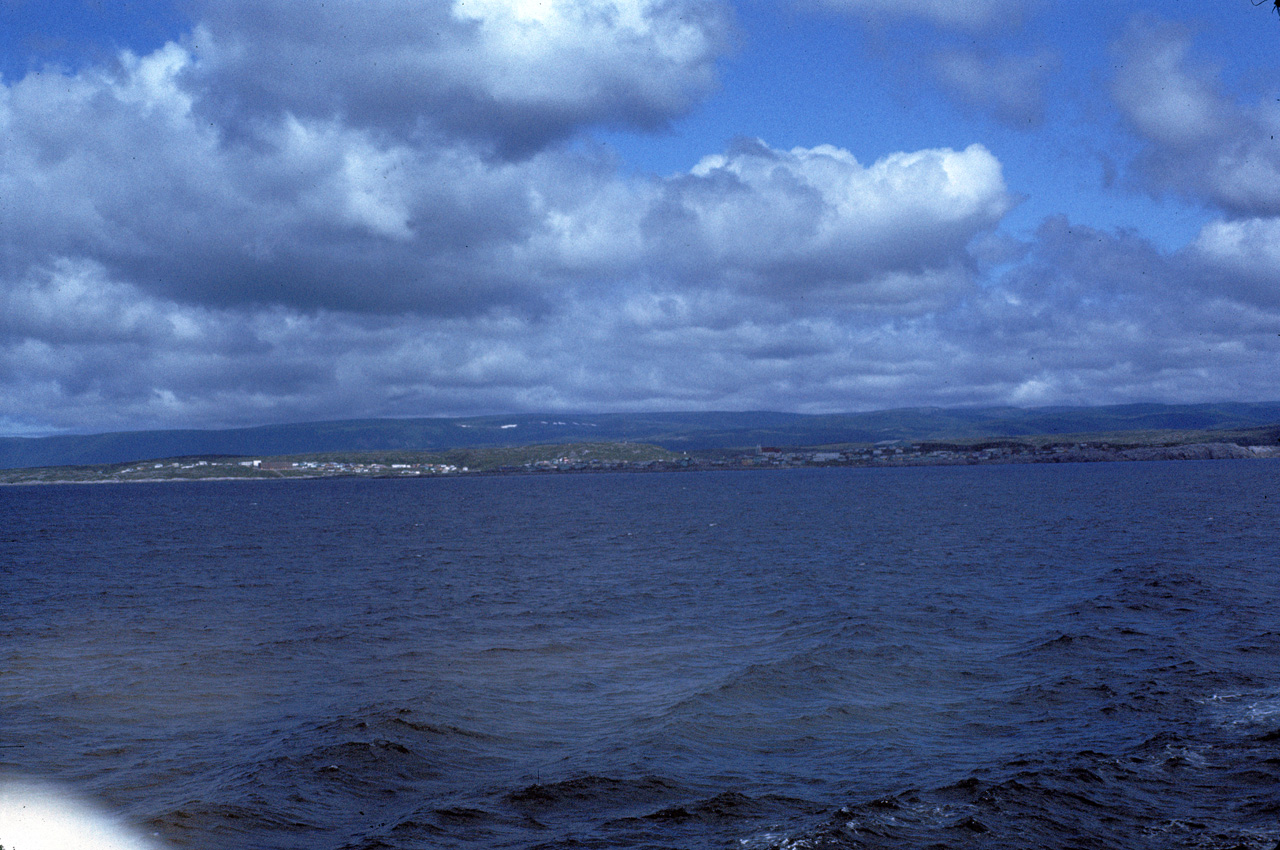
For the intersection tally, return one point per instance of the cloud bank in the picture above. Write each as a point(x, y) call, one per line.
point(320, 210)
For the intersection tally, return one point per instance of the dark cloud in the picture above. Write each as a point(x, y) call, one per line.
point(1087, 317)
point(121, 169)
point(512, 77)
point(1094, 317)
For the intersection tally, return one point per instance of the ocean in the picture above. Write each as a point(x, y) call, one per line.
point(1057, 656)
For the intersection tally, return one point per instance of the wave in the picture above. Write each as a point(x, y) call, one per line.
point(346, 775)
point(1168, 791)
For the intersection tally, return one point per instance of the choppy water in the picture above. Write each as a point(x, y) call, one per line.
point(990, 657)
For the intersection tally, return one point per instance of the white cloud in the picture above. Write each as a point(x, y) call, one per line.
point(1250, 246)
point(1241, 259)
point(118, 168)
point(301, 267)
point(152, 81)
point(1089, 317)
point(1049, 331)
point(819, 213)
point(1198, 141)
point(312, 211)
point(792, 224)
point(352, 178)
point(560, 52)
point(217, 234)
point(73, 302)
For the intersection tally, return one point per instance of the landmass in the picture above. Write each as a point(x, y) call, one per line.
point(692, 432)
point(1250, 444)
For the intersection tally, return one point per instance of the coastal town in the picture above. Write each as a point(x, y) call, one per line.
point(629, 457)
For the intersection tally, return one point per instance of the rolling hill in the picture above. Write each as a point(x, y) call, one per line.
point(675, 431)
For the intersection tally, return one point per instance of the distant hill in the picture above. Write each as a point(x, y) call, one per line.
point(676, 431)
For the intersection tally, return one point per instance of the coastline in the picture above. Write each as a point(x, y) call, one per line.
point(913, 455)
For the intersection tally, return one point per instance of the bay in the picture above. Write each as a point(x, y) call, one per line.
point(1070, 655)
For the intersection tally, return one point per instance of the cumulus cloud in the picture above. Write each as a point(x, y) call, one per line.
point(514, 75)
point(1087, 317)
point(118, 166)
point(74, 341)
point(303, 267)
point(374, 217)
point(1095, 317)
point(1200, 142)
point(839, 218)
point(795, 224)
point(1241, 259)
point(1197, 141)
point(320, 214)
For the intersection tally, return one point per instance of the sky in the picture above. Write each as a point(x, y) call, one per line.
point(221, 213)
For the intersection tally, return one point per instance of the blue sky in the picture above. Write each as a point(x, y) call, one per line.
point(229, 213)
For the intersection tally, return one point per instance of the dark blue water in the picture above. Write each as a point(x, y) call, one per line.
point(1017, 656)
